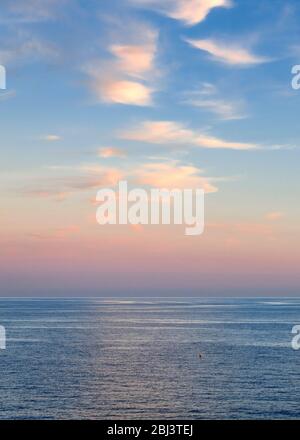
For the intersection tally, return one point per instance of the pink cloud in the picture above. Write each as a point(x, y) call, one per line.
point(190, 12)
point(168, 132)
point(171, 175)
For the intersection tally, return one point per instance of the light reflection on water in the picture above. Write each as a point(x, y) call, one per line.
point(133, 358)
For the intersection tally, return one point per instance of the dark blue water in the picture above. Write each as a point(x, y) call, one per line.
point(139, 359)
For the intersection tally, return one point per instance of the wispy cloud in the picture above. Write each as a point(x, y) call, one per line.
point(46, 193)
point(223, 109)
point(31, 10)
point(58, 234)
point(24, 48)
point(230, 54)
point(190, 12)
point(71, 181)
point(4, 95)
point(66, 181)
point(168, 132)
point(237, 232)
point(108, 152)
point(51, 138)
point(207, 98)
point(274, 215)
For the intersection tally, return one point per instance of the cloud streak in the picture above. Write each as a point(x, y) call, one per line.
point(51, 138)
point(109, 152)
point(31, 10)
point(64, 184)
point(24, 48)
point(229, 54)
point(208, 99)
point(274, 216)
point(168, 132)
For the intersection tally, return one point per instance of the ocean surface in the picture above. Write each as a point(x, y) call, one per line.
point(139, 359)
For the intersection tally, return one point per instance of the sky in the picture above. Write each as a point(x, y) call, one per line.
point(174, 93)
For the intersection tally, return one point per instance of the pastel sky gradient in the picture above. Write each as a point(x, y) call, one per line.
point(157, 92)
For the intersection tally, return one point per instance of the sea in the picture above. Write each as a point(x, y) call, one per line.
point(149, 358)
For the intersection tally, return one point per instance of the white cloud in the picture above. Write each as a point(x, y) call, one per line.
point(207, 97)
point(227, 53)
point(225, 110)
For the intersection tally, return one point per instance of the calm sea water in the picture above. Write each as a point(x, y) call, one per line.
point(139, 359)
